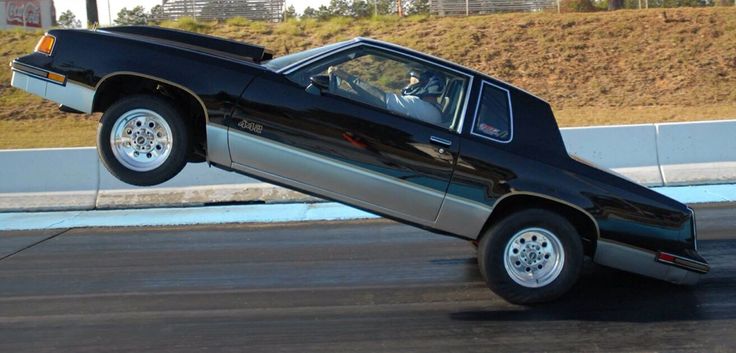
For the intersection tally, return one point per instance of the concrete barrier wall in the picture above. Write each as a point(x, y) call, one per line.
point(74, 178)
point(697, 153)
point(630, 150)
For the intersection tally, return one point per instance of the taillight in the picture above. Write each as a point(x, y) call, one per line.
point(46, 44)
point(682, 262)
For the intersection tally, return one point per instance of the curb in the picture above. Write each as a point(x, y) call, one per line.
point(703, 196)
point(151, 217)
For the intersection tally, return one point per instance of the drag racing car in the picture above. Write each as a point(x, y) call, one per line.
point(376, 126)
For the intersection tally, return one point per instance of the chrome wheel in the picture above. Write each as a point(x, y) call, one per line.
point(534, 257)
point(141, 140)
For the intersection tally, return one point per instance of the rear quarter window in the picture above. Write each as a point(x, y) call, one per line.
point(493, 117)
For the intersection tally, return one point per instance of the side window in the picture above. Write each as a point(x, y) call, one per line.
point(402, 85)
point(494, 117)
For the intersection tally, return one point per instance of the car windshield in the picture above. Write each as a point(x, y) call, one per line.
point(286, 60)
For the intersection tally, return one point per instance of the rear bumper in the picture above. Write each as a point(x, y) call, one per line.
point(35, 81)
point(644, 262)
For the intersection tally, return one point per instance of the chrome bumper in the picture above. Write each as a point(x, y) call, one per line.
point(641, 262)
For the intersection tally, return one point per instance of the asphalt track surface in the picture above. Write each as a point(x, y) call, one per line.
point(370, 286)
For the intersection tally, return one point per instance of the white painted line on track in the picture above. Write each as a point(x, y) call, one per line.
point(264, 213)
point(270, 213)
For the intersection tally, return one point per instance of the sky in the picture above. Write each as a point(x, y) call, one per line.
point(78, 7)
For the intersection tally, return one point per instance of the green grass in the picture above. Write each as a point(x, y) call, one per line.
point(60, 131)
point(189, 24)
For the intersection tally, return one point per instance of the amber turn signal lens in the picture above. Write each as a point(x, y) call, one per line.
point(56, 77)
point(46, 44)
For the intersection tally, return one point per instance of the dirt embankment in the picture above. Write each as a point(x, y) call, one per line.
point(665, 64)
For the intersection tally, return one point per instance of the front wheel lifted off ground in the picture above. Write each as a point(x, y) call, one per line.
point(531, 256)
point(143, 140)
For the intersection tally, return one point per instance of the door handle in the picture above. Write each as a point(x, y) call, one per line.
point(440, 141)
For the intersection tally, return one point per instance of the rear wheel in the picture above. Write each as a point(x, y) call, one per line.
point(142, 140)
point(531, 256)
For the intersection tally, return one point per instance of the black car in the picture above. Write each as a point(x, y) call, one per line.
point(376, 126)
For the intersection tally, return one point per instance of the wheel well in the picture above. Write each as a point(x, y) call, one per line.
point(116, 87)
point(582, 222)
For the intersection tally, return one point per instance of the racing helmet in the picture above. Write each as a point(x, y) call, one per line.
point(428, 83)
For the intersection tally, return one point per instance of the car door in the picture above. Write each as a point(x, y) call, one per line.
point(344, 147)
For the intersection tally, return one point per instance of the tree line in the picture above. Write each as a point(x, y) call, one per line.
point(363, 8)
point(348, 8)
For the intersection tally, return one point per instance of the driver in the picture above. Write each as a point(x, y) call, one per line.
point(417, 100)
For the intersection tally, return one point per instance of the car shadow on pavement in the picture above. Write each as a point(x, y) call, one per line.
point(604, 294)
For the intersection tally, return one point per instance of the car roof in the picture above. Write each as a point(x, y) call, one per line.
point(399, 48)
point(483, 76)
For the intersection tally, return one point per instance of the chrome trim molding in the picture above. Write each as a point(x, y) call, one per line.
point(335, 179)
point(694, 228)
point(72, 95)
point(33, 71)
point(131, 73)
point(640, 261)
point(218, 150)
point(467, 218)
point(550, 198)
point(477, 110)
point(441, 141)
point(307, 60)
point(359, 42)
point(683, 262)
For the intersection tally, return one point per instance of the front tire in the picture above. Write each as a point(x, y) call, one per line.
point(531, 256)
point(142, 140)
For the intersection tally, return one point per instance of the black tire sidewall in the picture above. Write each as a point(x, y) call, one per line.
point(176, 160)
point(493, 245)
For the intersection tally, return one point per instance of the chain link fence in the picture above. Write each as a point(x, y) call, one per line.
point(269, 10)
point(468, 7)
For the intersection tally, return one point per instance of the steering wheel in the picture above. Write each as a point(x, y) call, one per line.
point(359, 94)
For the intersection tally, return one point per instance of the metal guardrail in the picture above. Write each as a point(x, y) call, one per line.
point(269, 10)
point(467, 7)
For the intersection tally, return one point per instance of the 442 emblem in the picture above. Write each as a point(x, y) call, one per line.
point(250, 126)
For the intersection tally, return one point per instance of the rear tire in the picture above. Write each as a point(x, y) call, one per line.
point(143, 140)
point(531, 256)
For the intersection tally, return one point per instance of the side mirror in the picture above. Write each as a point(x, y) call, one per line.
point(318, 84)
point(321, 81)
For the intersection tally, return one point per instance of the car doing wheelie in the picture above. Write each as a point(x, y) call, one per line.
point(376, 126)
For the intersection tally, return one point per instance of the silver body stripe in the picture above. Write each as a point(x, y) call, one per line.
point(636, 260)
point(218, 150)
point(71, 94)
point(335, 179)
point(462, 216)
